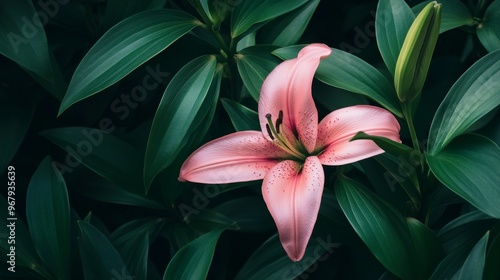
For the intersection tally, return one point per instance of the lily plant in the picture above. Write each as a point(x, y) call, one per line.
point(289, 151)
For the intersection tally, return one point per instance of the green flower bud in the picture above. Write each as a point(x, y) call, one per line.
point(416, 53)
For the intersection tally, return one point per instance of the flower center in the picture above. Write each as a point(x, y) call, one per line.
point(277, 135)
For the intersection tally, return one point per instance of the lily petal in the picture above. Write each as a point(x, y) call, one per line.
point(338, 127)
point(292, 193)
point(288, 88)
point(237, 157)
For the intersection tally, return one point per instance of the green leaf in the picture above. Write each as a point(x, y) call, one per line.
point(242, 117)
point(465, 231)
point(488, 30)
point(392, 21)
point(118, 10)
point(254, 64)
point(132, 241)
point(346, 71)
point(472, 96)
point(48, 216)
point(204, 8)
point(185, 104)
point(248, 13)
point(270, 261)
point(383, 230)
point(286, 30)
point(386, 144)
point(103, 153)
point(193, 260)
point(23, 39)
point(100, 259)
point(465, 167)
point(428, 250)
point(474, 264)
point(454, 14)
point(125, 47)
point(450, 264)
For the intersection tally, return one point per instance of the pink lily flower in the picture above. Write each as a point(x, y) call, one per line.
point(289, 151)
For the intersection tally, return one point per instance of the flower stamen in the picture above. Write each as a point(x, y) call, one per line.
point(279, 121)
point(281, 139)
point(269, 131)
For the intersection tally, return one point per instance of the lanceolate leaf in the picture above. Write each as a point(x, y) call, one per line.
point(123, 48)
point(132, 241)
point(386, 144)
point(22, 37)
point(242, 117)
point(196, 135)
point(287, 29)
point(471, 97)
point(193, 260)
point(474, 264)
point(468, 166)
point(488, 30)
point(248, 13)
point(184, 105)
point(48, 215)
point(392, 21)
point(450, 264)
point(254, 64)
point(100, 259)
point(459, 238)
point(383, 230)
point(428, 250)
point(465, 231)
point(346, 71)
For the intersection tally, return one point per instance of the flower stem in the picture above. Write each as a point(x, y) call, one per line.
point(409, 120)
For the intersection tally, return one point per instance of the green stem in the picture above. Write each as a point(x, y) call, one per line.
point(232, 45)
point(409, 120)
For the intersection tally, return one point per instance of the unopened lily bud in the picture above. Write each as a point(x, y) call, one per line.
point(416, 53)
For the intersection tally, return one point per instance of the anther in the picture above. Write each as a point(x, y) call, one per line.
point(269, 131)
point(279, 121)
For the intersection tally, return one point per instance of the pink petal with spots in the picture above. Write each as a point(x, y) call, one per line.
point(237, 157)
point(288, 88)
point(293, 196)
point(338, 127)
